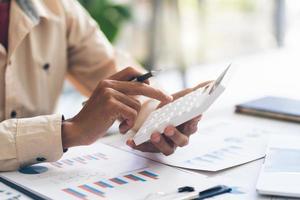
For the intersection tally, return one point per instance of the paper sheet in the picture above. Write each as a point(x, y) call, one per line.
point(7, 193)
point(216, 147)
point(103, 172)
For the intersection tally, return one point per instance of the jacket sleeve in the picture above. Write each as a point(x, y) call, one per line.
point(27, 141)
point(91, 57)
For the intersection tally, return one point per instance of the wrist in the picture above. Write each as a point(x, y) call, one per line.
point(69, 134)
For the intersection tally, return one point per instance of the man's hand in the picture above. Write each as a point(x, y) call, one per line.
point(172, 137)
point(111, 100)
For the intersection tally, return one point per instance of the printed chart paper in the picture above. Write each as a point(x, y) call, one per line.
point(104, 172)
point(216, 147)
point(11, 194)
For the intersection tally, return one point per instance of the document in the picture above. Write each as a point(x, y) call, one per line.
point(103, 172)
point(218, 146)
point(8, 193)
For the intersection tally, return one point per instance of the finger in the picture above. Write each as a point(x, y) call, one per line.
point(145, 147)
point(182, 93)
point(161, 144)
point(189, 90)
point(128, 100)
point(124, 126)
point(127, 113)
point(203, 84)
point(176, 96)
point(127, 74)
point(176, 137)
point(190, 127)
point(136, 88)
point(185, 92)
point(131, 102)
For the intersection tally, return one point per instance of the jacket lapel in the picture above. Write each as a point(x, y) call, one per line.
point(23, 17)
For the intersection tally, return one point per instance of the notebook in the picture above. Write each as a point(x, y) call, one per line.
point(272, 107)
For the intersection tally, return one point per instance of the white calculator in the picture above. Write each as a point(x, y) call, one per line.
point(181, 110)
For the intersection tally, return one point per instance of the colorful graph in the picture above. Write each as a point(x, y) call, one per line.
point(134, 178)
point(92, 190)
point(229, 152)
point(103, 184)
point(84, 159)
point(33, 169)
point(75, 193)
point(149, 174)
point(118, 181)
point(100, 187)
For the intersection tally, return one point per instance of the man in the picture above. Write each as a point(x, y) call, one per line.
point(41, 43)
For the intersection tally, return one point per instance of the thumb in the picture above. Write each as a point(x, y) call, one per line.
point(125, 125)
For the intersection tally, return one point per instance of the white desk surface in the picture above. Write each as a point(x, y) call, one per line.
point(271, 73)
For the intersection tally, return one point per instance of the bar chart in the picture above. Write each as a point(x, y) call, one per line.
point(221, 145)
point(230, 152)
point(99, 188)
point(81, 160)
point(84, 174)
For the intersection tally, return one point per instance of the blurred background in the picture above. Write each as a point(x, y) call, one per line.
point(180, 35)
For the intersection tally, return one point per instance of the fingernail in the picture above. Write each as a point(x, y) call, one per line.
point(129, 143)
point(169, 131)
point(169, 98)
point(156, 138)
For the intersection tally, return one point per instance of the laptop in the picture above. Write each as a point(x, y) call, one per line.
point(280, 173)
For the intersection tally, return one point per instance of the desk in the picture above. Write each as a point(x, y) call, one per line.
point(272, 73)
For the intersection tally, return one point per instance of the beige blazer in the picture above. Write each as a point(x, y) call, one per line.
point(48, 40)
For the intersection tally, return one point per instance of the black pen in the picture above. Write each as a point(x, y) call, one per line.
point(146, 76)
point(140, 78)
point(214, 191)
point(210, 192)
